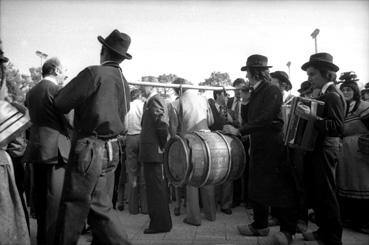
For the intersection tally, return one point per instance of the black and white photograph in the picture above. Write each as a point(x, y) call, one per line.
point(184, 122)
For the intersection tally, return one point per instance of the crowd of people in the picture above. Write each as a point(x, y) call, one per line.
point(83, 131)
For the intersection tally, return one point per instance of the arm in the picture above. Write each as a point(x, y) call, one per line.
point(268, 111)
point(332, 122)
point(159, 112)
point(173, 120)
point(75, 92)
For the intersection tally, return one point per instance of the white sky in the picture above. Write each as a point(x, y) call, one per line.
point(188, 38)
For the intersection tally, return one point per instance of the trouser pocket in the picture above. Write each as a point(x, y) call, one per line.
point(84, 155)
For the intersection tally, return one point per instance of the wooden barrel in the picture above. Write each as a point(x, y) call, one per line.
point(204, 158)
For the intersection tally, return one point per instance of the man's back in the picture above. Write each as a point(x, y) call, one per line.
point(194, 113)
point(100, 97)
point(39, 101)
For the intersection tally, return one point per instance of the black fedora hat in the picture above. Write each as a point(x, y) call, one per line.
point(305, 87)
point(257, 61)
point(118, 42)
point(282, 77)
point(321, 60)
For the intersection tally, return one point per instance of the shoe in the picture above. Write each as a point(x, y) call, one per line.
point(227, 211)
point(121, 207)
point(273, 221)
point(301, 226)
point(189, 223)
point(177, 211)
point(248, 230)
point(279, 238)
point(364, 229)
point(153, 231)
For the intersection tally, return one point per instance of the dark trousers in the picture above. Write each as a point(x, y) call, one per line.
point(19, 174)
point(135, 173)
point(48, 184)
point(240, 185)
point(157, 197)
point(88, 187)
point(287, 217)
point(320, 177)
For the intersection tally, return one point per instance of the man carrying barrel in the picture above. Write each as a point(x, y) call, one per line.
point(191, 112)
point(270, 179)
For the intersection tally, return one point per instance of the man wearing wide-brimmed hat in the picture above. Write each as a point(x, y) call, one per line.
point(100, 97)
point(270, 180)
point(281, 79)
point(321, 162)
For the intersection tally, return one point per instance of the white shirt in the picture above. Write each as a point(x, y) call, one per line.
point(51, 79)
point(134, 117)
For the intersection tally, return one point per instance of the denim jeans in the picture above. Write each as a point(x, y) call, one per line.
point(87, 191)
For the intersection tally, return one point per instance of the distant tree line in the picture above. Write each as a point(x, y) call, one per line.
point(19, 84)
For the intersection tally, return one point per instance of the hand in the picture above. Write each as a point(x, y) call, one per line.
point(229, 129)
point(304, 112)
point(19, 107)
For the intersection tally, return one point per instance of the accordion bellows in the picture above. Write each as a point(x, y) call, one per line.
point(12, 122)
point(300, 133)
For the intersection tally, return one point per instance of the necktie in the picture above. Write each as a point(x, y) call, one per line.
point(237, 112)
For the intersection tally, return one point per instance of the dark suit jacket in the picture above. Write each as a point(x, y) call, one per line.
point(155, 130)
point(263, 110)
point(333, 114)
point(49, 132)
point(219, 121)
point(270, 179)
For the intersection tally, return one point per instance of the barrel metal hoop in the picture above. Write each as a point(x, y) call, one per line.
point(166, 161)
point(243, 158)
point(208, 154)
point(229, 158)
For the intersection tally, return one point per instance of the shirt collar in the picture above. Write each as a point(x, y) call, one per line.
point(217, 106)
point(51, 79)
point(110, 63)
point(325, 87)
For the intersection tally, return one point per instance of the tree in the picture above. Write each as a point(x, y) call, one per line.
point(217, 79)
point(35, 74)
point(18, 84)
point(166, 78)
point(14, 82)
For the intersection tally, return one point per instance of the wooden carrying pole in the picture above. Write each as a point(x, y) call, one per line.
point(187, 86)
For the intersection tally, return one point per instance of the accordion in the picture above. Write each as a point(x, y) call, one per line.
point(300, 133)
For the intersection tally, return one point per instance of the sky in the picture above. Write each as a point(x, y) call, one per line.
point(188, 38)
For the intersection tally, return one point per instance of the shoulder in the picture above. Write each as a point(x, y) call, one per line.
point(332, 95)
point(363, 107)
point(156, 100)
point(272, 88)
